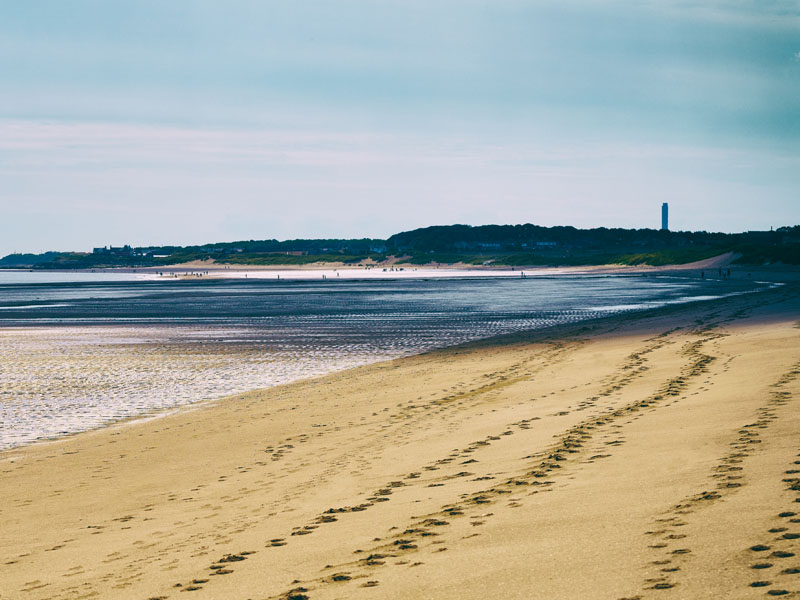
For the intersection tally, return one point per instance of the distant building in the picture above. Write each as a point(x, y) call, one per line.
point(665, 217)
point(125, 250)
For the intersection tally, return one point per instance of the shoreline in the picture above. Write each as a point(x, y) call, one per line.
point(607, 445)
point(234, 270)
point(334, 271)
point(204, 270)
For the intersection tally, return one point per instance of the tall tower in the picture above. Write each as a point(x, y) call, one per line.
point(665, 217)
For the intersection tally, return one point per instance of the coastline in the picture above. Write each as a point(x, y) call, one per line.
point(209, 269)
point(397, 268)
point(607, 446)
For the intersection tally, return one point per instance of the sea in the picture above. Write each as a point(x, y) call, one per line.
point(82, 350)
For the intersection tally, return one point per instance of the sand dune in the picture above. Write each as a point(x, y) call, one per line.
point(634, 457)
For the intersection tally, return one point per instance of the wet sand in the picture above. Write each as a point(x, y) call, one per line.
point(653, 455)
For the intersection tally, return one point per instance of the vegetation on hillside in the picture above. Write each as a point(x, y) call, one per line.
point(304, 259)
point(530, 259)
point(502, 245)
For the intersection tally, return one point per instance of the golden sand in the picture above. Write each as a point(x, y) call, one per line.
point(650, 456)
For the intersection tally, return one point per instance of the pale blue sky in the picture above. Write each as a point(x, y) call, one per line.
point(190, 121)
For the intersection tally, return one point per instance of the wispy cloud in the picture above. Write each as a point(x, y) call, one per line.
point(54, 145)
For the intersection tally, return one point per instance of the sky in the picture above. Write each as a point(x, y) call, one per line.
point(193, 121)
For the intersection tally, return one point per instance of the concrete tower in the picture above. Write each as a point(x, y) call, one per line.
point(665, 217)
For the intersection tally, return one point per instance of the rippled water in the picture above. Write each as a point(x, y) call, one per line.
point(75, 355)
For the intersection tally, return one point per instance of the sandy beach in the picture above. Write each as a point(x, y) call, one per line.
point(397, 269)
point(653, 455)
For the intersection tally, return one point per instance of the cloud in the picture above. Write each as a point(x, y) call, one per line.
point(313, 115)
point(53, 146)
point(61, 146)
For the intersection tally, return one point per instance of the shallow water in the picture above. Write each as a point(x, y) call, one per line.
point(75, 355)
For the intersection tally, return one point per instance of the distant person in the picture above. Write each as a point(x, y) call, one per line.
point(702, 274)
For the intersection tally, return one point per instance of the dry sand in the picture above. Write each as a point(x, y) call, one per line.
point(212, 269)
point(653, 456)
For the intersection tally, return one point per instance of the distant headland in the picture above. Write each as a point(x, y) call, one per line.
point(486, 246)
